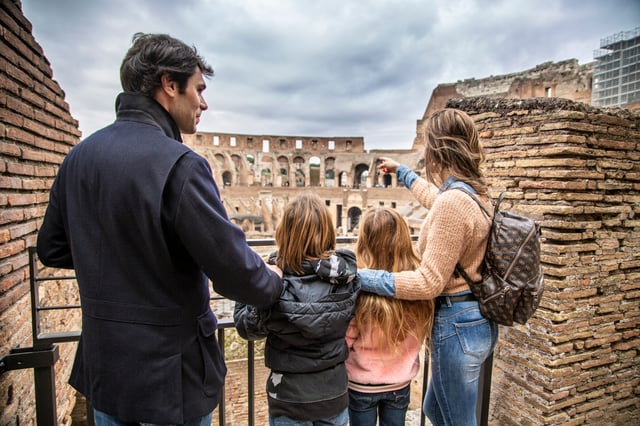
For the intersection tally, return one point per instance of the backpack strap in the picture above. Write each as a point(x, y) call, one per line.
point(465, 187)
point(461, 272)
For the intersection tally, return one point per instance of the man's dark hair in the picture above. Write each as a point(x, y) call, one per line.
point(153, 55)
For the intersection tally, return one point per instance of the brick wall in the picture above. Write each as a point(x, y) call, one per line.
point(576, 169)
point(36, 131)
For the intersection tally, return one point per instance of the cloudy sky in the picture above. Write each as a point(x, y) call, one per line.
point(319, 68)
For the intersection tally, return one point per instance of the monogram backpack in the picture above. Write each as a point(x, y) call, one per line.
point(512, 281)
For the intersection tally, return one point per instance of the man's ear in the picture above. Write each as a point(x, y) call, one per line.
point(169, 86)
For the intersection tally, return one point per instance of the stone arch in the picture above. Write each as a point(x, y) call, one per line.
point(363, 179)
point(343, 179)
point(353, 218)
point(357, 178)
point(314, 171)
point(283, 171)
point(329, 172)
point(300, 175)
point(266, 178)
point(266, 174)
point(227, 178)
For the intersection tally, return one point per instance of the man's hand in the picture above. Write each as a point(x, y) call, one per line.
point(275, 269)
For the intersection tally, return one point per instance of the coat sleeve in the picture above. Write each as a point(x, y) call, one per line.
point(52, 243)
point(218, 246)
point(250, 322)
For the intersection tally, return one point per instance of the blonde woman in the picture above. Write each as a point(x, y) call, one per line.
point(386, 335)
point(455, 231)
point(305, 329)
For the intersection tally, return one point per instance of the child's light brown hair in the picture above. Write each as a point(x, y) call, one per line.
point(384, 242)
point(305, 232)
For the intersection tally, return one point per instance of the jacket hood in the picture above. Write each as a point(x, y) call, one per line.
point(339, 269)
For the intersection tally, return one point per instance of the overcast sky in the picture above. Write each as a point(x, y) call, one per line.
point(319, 68)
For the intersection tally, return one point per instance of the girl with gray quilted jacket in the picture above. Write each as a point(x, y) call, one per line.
point(305, 329)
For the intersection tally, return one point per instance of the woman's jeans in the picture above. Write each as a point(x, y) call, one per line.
point(364, 408)
point(341, 419)
point(103, 419)
point(462, 339)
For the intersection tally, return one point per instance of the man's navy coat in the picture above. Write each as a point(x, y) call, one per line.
point(139, 217)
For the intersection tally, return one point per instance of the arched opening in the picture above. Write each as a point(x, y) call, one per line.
point(283, 170)
point(265, 177)
point(357, 179)
point(353, 218)
point(329, 172)
point(314, 171)
point(298, 163)
point(343, 179)
point(227, 178)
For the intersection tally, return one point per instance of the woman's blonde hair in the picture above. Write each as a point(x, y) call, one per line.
point(305, 232)
point(452, 142)
point(384, 242)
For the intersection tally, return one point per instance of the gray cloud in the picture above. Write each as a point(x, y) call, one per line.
point(329, 68)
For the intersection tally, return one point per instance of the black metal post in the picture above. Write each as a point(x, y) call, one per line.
point(425, 382)
point(45, 387)
point(221, 406)
point(42, 360)
point(251, 379)
point(484, 391)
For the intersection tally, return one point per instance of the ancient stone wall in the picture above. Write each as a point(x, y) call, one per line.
point(565, 79)
point(576, 169)
point(256, 181)
point(36, 131)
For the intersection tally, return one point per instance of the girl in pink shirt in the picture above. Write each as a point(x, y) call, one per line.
point(386, 334)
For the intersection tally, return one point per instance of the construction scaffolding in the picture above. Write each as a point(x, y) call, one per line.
point(616, 73)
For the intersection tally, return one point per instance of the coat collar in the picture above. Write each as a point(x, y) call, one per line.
point(141, 108)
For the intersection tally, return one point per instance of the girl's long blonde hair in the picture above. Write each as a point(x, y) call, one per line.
point(306, 232)
point(384, 242)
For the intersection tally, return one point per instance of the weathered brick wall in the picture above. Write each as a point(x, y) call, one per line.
point(36, 131)
point(576, 169)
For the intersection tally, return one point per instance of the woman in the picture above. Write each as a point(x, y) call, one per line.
point(455, 231)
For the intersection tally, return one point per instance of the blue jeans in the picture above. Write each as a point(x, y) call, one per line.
point(103, 419)
point(364, 408)
point(462, 339)
point(341, 419)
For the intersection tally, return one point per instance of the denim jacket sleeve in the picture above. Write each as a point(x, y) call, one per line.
point(377, 281)
point(406, 175)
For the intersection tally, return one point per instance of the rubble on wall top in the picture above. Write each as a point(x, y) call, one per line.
point(482, 103)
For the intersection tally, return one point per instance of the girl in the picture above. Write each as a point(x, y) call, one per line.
point(455, 231)
point(386, 334)
point(305, 329)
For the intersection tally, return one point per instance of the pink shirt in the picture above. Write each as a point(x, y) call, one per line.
point(369, 365)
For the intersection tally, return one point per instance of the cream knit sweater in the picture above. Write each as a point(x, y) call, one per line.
point(455, 230)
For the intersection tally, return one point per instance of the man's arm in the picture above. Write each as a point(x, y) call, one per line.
point(53, 245)
point(216, 244)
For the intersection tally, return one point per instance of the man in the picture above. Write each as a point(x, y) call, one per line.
point(138, 216)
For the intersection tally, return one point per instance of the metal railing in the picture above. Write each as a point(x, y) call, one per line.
point(44, 354)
